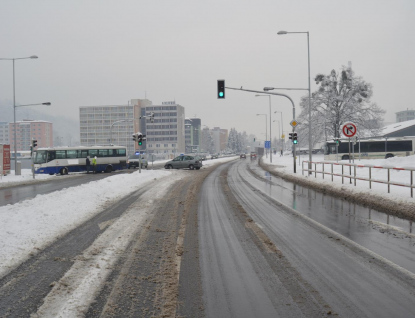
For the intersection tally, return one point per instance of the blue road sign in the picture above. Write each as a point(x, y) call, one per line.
point(267, 144)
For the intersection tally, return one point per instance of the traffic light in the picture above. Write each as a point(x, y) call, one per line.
point(141, 137)
point(337, 140)
point(295, 141)
point(291, 136)
point(135, 137)
point(221, 88)
point(34, 143)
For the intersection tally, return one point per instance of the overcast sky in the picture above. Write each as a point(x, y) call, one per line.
point(108, 52)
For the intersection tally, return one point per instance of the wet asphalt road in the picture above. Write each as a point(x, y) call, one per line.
point(331, 251)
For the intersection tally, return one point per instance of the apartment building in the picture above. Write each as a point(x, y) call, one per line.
point(4, 133)
point(26, 130)
point(220, 138)
point(111, 124)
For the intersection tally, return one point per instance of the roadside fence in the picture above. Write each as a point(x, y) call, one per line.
point(368, 173)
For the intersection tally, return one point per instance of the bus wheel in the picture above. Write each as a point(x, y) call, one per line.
point(345, 157)
point(389, 155)
point(64, 171)
point(108, 169)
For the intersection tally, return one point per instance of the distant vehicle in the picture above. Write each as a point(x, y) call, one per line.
point(214, 157)
point(243, 156)
point(73, 159)
point(371, 148)
point(253, 155)
point(134, 161)
point(182, 162)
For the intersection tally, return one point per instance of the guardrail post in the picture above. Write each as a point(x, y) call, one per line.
point(332, 176)
point(302, 168)
point(412, 183)
point(323, 170)
point(342, 174)
point(315, 170)
point(354, 175)
point(389, 180)
point(370, 177)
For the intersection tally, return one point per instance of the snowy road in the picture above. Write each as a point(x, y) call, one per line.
point(226, 241)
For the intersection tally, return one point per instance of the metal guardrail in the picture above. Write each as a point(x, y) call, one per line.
point(355, 177)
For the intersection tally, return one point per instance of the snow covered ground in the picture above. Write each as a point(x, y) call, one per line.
point(400, 194)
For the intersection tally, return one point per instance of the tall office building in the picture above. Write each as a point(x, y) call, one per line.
point(193, 134)
point(166, 136)
point(113, 124)
point(26, 130)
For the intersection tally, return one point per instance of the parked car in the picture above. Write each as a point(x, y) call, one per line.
point(214, 157)
point(184, 161)
point(243, 156)
point(253, 155)
point(133, 161)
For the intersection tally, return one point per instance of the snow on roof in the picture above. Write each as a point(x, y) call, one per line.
point(397, 126)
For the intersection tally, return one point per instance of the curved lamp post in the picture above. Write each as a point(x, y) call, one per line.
point(14, 102)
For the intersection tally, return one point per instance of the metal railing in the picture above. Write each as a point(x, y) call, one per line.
point(354, 176)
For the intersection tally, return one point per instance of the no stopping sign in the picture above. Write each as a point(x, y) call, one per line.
point(349, 129)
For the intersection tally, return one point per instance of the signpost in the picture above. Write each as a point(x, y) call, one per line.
point(349, 130)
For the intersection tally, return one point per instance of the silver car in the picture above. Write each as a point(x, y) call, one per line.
point(182, 162)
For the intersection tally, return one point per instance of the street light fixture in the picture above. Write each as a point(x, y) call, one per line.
point(14, 103)
point(310, 148)
point(270, 141)
point(266, 131)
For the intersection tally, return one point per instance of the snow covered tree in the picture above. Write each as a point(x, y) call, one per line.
point(342, 97)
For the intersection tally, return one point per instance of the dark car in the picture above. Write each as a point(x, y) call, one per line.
point(133, 161)
point(243, 156)
point(214, 157)
point(182, 162)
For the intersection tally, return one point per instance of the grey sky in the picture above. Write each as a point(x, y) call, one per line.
point(108, 52)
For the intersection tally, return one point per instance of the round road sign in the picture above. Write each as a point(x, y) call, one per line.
point(349, 129)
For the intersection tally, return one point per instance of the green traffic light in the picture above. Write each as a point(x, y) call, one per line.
point(220, 94)
point(140, 143)
point(295, 142)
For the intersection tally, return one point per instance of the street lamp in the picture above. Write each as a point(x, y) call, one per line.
point(14, 102)
point(310, 148)
point(270, 141)
point(266, 131)
point(118, 121)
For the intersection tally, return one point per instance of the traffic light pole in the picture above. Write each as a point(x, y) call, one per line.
point(271, 93)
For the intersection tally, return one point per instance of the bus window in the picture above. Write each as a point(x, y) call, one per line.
point(103, 153)
point(93, 152)
point(60, 154)
point(40, 157)
point(51, 155)
point(82, 153)
point(121, 152)
point(70, 154)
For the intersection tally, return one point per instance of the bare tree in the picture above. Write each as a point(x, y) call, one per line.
point(342, 97)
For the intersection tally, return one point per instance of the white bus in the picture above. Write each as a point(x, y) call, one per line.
point(370, 148)
point(73, 159)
